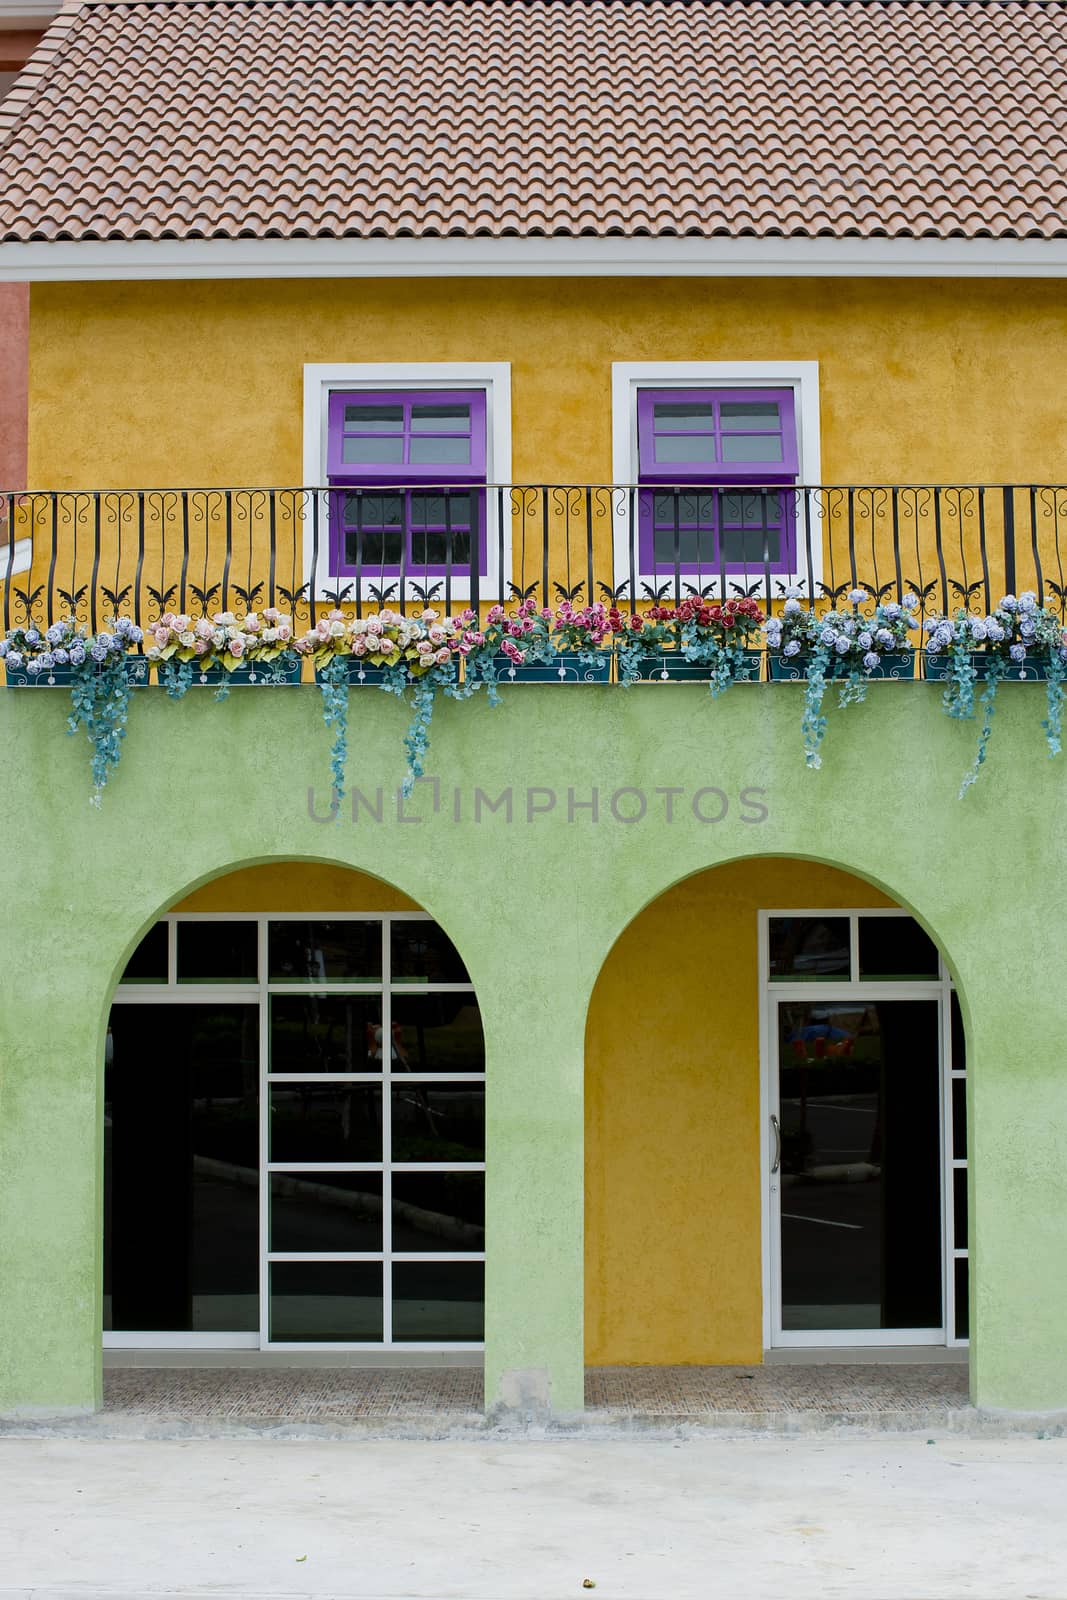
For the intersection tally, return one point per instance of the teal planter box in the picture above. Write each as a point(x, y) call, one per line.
point(893, 668)
point(360, 674)
point(563, 668)
point(1030, 670)
point(670, 666)
point(257, 674)
point(62, 677)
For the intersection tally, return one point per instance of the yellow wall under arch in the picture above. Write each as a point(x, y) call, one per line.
point(672, 1225)
point(296, 886)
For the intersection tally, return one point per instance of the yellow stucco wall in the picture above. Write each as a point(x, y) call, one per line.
point(296, 886)
point(142, 384)
point(673, 1261)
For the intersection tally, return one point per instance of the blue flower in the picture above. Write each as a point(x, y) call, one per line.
point(884, 636)
point(1009, 603)
point(55, 633)
point(32, 636)
point(856, 597)
point(871, 659)
point(864, 641)
point(979, 629)
point(791, 608)
point(61, 657)
point(1018, 652)
point(1028, 601)
point(5, 646)
point(794, 591)
point(828, 636)
point(910, 601)
point(13, 658)
point(843, 646)
point(891, 612)
point(35, 664)
point(993, 631)
point(77, 655)
point(46, 660)
point(98, 651)
point(792, 648)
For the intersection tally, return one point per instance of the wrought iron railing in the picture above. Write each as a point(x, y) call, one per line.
point(144, 551)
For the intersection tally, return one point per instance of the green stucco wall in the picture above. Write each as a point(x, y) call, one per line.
point(535, 906)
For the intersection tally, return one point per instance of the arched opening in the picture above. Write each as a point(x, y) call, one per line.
point(775, 1126)
point(294, 1124)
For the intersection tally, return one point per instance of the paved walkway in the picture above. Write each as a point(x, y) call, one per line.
point(757, 1518)
point(450, 1399)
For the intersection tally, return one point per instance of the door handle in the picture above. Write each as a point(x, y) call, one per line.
point(776, 1125)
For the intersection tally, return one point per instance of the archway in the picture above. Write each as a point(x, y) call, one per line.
point(294, 1145)
point(767, 1012)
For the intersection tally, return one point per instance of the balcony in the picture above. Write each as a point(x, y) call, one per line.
point(140, 552)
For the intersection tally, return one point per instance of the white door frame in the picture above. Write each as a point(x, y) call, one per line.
point(938, 990)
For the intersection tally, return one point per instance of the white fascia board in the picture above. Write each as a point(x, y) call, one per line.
point(26, 15)
point(12, 564)
point(488, 257)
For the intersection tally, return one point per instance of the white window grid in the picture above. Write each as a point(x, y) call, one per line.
point(943, 990)
point(258, 993)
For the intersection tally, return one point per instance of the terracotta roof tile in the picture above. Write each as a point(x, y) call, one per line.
point(285, 118)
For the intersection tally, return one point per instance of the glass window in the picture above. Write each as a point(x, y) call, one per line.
point(325, 1033)
point(959, 1207)
point(897, 948)
point(440, 1211)
point(963, 1308)
point(148, 964)
point(809, 949)
point(423, 953)
point(439, 1302)
point(325, 1122)
point(437, 1033)
point(438, 1122)
point(325, 952)
point(959, 1118)
point(218, 952)
point(326, 1302)
point(326, 1211)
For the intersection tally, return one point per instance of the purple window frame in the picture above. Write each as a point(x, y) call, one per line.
point(405, 480)
point(716, 478)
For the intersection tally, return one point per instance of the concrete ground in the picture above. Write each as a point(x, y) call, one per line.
point(889, 1518)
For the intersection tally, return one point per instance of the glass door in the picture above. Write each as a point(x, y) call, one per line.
point(858, 1166)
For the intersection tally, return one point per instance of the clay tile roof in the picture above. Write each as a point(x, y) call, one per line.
point(150, 119)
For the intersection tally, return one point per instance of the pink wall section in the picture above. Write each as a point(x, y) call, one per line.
point(14, 377)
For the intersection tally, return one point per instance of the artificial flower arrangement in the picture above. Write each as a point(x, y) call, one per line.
point(847, 645)
point(1019, 638)
point(702, 631)
point(214, 648)
point(504, 642)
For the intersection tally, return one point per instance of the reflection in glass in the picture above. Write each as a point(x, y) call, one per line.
point(439, 1302)
point(751, 447)
point(181, 1161)
point(423, 953)
point(860, 1178)
point(325, 1122)
point(963, 1309)
point(959, 1207)
point(326, 1211)
point(324, 952)
point(217, 952)
point(325, 1302)
point(437, 1033)
point(380, 448)
point(741, 414)
point(439, 1122)
point(438, 1211)
point(375, 419)
point(444, 418)
point(959, 1119)
point(325, 1033)
point(896, 947)
point(809, 949)
point(148, 964)
point(685, 447)
point(426, 448)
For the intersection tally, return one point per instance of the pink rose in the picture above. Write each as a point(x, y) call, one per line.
point(236, 647)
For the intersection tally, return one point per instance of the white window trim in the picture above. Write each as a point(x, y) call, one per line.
point(322, 378)
point(627, 377)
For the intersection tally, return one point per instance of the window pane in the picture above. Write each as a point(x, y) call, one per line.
point(685, 447)
point(745, 547)
point(181, 1162)
point(752, 510)
point(439, 1122)
point(440, 419)
point(438, 1211)
point(217, 952)
point(695, 548)
point(959, 1042)
point(432, 510)
point(325, 1302)
point(375, 510)
point(378, 549)
point(335, 1211)
point(809, 948)
point(751, 447)
point(963, 1309)
point(375, 419)
point(742, 414)
point(696, 414)
point(325, 1122)
point(441, 549)
point(314, 952)
point(325, 1033)
point(691, 508)
point(356, 450)
point(437, 1033)
point(959, 1207)
point(439, 1301)
point(959, 1118)
point(148, 964)
point(423, 953)
point(896, 947)
point(427, 447)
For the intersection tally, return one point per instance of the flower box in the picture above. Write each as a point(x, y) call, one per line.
point(566, 667)
point(62, 677)
point(256, 674)
point(671, 666)
point(894, 666)
point(359, 673)
point(1032, 669)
